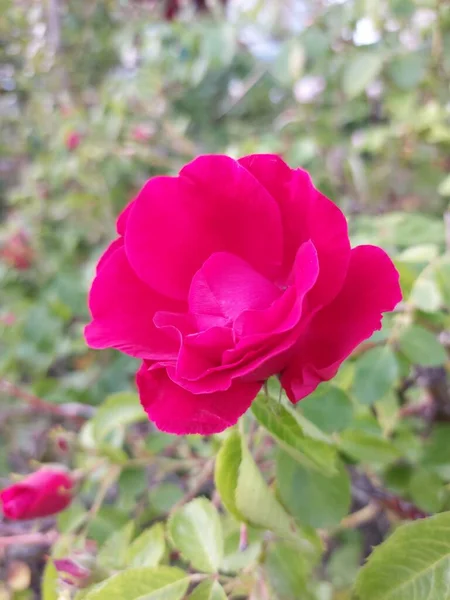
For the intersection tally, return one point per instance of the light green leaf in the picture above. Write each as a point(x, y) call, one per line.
point(260, 507)
point(227, 472)
point(412, 564)
point(368, 447)
point(375, 375)
point(236, 559)
point(311, 497)
point(408, 70)
point(328, 407)
point(117, 411)
point(425, 294)
point(288, 571)
point(147, 550)
point(208, 590)
point(196, 531)
point(143, 583)
point(49, 588)
point(360, 71)
point(427, 490)
point(421, 347)
point(284, 426)
point(444, 187)
point(442, 274)
point(113, 553)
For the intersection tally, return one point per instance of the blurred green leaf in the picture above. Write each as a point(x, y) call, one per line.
point(313, 498)
point(288, 570)
point(367, 447)
point(208, 590)
point(196, 531)
point(421, 347)
point(328, 407)
point(375, 375)
point(50, 577)
point(361, 70)
point(226, 474)
point(113, 553)
point(283, 424)
point(147, 550)
point(143, 583)
point(427, 490)
point(117, 411)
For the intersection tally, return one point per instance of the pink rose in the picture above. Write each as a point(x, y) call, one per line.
point(73, 140)
point(43, 493)
point(229, 273)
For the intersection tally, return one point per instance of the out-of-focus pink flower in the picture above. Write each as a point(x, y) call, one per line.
point(229, 273)
point(17, 252)
point(43, 493)
point(72, 141)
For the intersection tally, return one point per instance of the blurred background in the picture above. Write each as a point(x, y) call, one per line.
point(98, 96)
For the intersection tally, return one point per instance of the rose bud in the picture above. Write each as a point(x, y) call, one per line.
point(72, 572)
point(73, 140)
point(17, 252)
point(227, 274)
point(43, 493)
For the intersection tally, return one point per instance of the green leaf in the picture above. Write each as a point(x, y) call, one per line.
point(196, 531)
point(364, 446)
point(117, 411)
point(288, 571)
point(235, 558)
point(442, 274)
point(311, 497)
point(425, 294)
point(421, 347)
point(113, 553)
point(408, 70)
point(444, 186)
point(375, 375)
point(208, 590)
point(412, 564)
point(360, 71)
point(227, 472)
point(147, 550)
point(284, 426)
point(427, 490)
point(260, 507)
point(49, 588)
point(143, 583)
point(328, 407)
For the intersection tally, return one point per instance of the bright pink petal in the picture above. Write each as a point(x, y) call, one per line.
point(371, 288)
point(305, 214)
point(227, 285)
point(123, 218)
point(118, 243)
point(122, 308)
point(177, 411)
point(270, 335)
point(214, 205)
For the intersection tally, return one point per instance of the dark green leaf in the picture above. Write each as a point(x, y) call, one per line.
point(375, 375)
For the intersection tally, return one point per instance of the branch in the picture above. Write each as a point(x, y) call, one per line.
point(46, 539)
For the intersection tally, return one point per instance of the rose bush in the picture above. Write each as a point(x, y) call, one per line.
point(43, 493)
point(229, 273)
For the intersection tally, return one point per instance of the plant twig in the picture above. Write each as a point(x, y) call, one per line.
point(202, 478)
point(37, 538)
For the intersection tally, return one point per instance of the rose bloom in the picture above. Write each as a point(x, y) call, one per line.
point(73, 140)
point(43, 493)
point(229, 273)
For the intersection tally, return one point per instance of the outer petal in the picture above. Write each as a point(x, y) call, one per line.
point(118, 243)
point(305, 214)
point(175, 410)
point(371, 288)
point(123, 307)
point(214, 205)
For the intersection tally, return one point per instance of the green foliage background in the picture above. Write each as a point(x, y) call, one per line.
point(355, 91)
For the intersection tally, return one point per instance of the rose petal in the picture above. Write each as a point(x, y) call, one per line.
point(371, 288)
point(214, 205)
point(122, 308)
point(227, 285)
point(177, 411)
point(305, 214)
point(118, 243)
